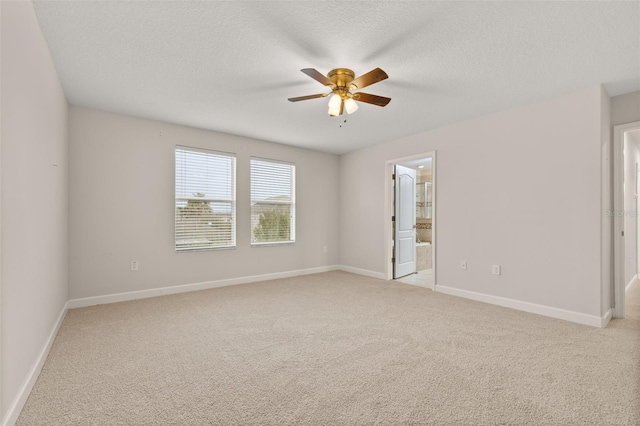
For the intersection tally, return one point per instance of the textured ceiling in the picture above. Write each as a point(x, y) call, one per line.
point(230, 66)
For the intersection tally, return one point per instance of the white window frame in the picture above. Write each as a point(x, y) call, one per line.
point(292, 204)
point(232, 201)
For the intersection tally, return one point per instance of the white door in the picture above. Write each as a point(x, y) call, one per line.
point(405, 223)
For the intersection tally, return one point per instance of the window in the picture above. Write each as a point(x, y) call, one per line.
point(272, 202)
point(205, 199)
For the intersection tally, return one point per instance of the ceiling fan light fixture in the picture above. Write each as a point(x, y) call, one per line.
point(350, 106)
point(335, 112)
point(335, 103)
point(342, 83)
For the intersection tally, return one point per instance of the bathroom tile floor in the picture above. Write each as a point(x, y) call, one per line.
point(421, 278)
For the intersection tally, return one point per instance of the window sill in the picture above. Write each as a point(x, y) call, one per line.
point(275, 243)
point(206, 249)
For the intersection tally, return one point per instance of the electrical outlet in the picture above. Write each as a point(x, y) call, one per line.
point(324, 249)
point(134, 265)
point(495, 269)
point(463, 264)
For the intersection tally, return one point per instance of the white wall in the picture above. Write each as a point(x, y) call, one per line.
point(34, 197)
point(1, 326)
point(122, 207)
point(606, 222)
point(625, 108)
point(519, 188)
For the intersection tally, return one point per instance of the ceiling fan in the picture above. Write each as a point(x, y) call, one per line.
point(344, 86)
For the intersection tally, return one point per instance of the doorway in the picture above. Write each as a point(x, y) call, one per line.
point(410, 219)
point(626, 220)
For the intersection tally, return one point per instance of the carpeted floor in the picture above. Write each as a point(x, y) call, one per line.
point(330, 349)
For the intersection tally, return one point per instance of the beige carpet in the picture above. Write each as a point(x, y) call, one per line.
point(331, 349)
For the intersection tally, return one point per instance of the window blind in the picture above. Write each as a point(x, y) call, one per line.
point(205, 199)
point(272, 202)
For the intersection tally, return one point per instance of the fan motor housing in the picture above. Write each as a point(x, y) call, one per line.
point(342, 78)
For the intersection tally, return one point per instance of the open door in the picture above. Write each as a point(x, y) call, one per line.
point(404, 251)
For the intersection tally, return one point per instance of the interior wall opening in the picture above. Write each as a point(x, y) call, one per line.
point(412, 191)
point(626, 214)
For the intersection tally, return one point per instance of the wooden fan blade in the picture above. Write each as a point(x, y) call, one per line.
point(315, 74)
point(371, 99)
point(304, 98)
point(369, 78)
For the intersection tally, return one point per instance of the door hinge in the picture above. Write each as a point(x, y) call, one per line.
point(393, 260)
point(623, 233)
point(393, 218)
point(393, 176)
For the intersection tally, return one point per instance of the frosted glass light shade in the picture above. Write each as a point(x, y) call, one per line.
point(350, 105)
point(334, 105)
point(334, 101)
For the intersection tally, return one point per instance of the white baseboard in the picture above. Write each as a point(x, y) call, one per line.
point(548, 311)
point(365, 272)
point(18, 403)
point(163, 291)
point(606, 318)
point(631, 284)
